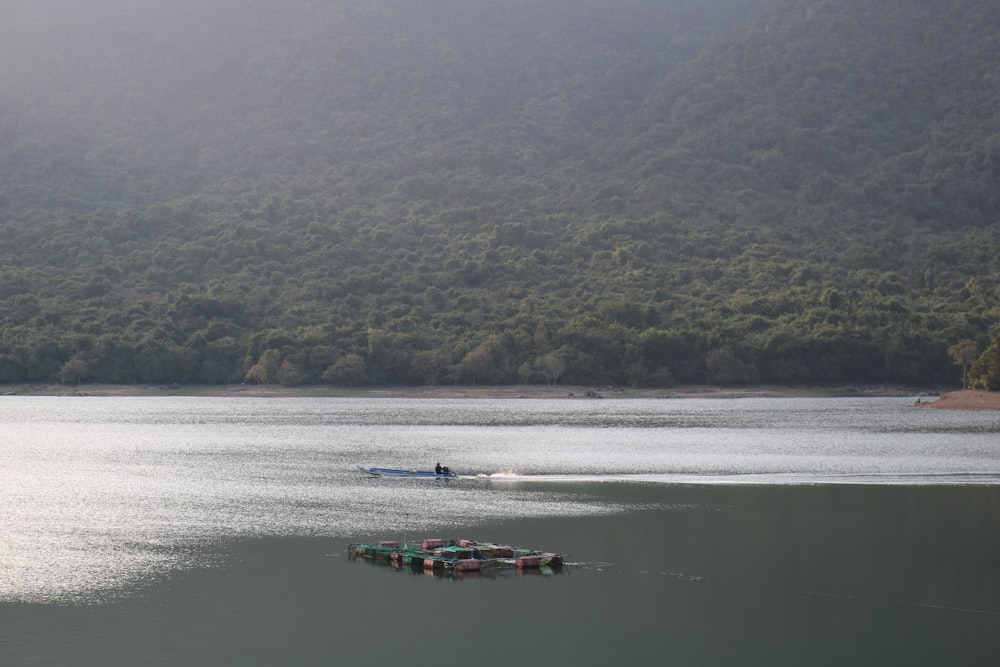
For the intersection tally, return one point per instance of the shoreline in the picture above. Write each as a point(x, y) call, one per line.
point(966, 399)
point(476, 391)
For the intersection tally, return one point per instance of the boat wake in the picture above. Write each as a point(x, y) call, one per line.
point(566, 477)
point(767, 478)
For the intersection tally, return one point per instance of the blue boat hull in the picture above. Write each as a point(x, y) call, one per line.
point(417, 474)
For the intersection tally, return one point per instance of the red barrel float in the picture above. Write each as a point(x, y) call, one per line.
point(467, 565)
point(525, 562)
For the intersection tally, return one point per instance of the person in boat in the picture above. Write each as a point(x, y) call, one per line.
point(438, 469)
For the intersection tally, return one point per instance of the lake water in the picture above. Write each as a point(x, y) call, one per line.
point(197, 531)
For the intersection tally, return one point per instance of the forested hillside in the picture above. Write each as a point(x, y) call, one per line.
point(633, 192)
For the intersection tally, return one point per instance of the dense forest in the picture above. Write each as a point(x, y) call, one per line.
point(634, 192)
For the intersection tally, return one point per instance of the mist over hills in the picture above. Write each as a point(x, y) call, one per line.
point(633, 192)
point(197, 93)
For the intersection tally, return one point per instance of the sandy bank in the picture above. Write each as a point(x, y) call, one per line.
point(969, 399)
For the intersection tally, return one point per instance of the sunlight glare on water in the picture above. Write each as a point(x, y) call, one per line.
point(101, 494)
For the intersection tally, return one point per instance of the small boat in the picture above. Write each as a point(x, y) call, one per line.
point(418, 474)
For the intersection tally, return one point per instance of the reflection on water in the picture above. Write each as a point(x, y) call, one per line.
point(707, 575)
point(101, 495)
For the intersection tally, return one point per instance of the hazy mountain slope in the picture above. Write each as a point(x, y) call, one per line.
point(126, 102)
point(822, 100)
point(853, 140)
point(436, 190)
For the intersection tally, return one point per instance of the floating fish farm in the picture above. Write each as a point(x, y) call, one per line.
point(437, 556)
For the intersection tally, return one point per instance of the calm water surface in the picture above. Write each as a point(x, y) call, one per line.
point(756, 531)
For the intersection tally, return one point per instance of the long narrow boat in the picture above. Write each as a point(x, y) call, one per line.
point(418, 474)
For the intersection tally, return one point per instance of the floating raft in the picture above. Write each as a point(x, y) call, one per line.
point(456, 556)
